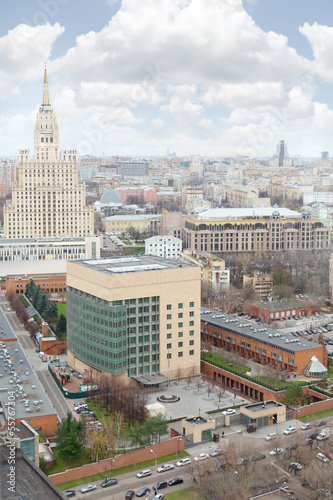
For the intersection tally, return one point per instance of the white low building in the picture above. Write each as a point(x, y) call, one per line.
point(164, 246)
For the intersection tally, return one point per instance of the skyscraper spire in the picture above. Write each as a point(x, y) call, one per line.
point(46, 100)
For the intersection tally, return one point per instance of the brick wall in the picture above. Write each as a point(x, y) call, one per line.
point(135, 457)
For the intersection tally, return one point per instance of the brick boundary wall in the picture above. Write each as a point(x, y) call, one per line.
point(135, 457)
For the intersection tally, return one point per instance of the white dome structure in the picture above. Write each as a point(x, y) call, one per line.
point(315, 369)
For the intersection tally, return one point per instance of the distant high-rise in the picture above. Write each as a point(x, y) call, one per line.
point(47, 199)
point(281, 152)
point(324, 155)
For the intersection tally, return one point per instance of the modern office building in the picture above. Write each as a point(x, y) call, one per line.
point(266, 346)
point(281, 152)
point(233, 230)
point(47, 199)
point(213, 270)
point(164, 246)
point(135, 317)
point(134, 168)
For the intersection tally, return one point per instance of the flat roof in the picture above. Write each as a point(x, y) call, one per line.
point(242, 213)
point(6, 332)
point(16, 375)
point(30, 267)
point(286, 305)
point(264, 405)
point(137, 263)
point(25, 241)
point(253, 331)
point(196, 420)
point(132, 217)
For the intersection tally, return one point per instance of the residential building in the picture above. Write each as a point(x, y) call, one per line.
point(47, 199)
point(134, 168)
point(266, 346)
point(233, 230)
point(172, 223)
point(164, 246)
point(213, 270)
point(133, 194)
point(191, 192)
point(261, 283)
point(134, 317)
point(118, 224)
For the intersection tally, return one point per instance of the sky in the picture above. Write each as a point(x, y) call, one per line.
point(143, 77)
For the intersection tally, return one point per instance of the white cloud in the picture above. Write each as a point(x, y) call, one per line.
point(321, 40)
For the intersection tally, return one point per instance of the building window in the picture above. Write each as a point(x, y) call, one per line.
point(191, 313)
point(180, 344)
point(180, 305)
point(168, 335)
point(180, 354)
point(180, 325)
point(180, 334)
point(169, 355)
point(191, 304)
point(169, 307)
point(169, 326)
point(191, 333)
point(191, 342)
point(168, 346)
point(169, 316)
point(180, 315)
point(192, 352)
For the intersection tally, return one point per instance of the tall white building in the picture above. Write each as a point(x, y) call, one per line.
point(47, 199)
point(164, 246)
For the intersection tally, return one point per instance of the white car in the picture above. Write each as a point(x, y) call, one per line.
point(277, 451)
point(304, 427)
point(88, 487)
point(290, 430)
point(183, 461)
point(144, 473)
point(165, 467)
point(202, 456)
point(271, 435)
point(230, 411)
point(322, 457)
point(158, 496)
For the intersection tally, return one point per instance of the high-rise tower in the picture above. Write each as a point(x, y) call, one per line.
point(48, 200)
point(281, 152)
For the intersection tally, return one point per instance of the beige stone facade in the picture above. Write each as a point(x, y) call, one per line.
point(158, 299)
point(261, 283)
point(47, 199)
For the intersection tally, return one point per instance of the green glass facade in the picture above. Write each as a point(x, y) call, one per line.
point(116, 337)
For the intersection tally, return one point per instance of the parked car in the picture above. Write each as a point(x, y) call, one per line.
point(129, 495)
point(144, 473)
point(69, 493)
point(322, 457)
point(271, 435)
point(202, 456)
point(109, 482)
point(306, 426)
point(220, 465)
point(230, 411)
point(320, 423)
point(165, 467)
point(313, 435)
point(215, 453)
point(292, 446)
point(142, 492)
point(305, 484)
point(183, 461)
point(290, 430)
point(158, 496)
point(160, 485)
point(277, 451)
point(90, 487)
point(296, 465)
point(328, 454)
point(258, 457)
point(175, 480)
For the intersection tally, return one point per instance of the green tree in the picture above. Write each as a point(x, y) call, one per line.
point(282, 276)
point(61, 326)
point(70, 438)
point(294, 396)
point(159, 426)
point(136, 434)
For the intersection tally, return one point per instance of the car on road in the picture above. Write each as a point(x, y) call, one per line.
point(270, 435)
point(305, 484)
point(165, 467)
point(69, 493)
point(306, 426)
point(292, 446)
point(142, 492)
point(277, 451)
point(129, 495)
point(258, 457)
point(202, 456)
point(322, 457)
point(175, 480)
point(230, 411)
point(328, 454)
point(320, 423)
point(88, 487)
point(109, 482)
point(158, 496)
point(183, 461)
point(296, 465)
point(290, 430)
point(160, 485)
point(144, 473)
point(215, 453)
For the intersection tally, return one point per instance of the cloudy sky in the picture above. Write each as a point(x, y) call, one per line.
point(135, 77)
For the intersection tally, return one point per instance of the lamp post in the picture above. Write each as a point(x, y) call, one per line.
point(112, 460)
point(199, 412)
point(155, 457)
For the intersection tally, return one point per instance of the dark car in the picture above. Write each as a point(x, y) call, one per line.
point(313, 435)
point(260, 456)
point(160, 485)
point(69, 493)
point(142, 492)
point(220, 465)
point(109, 482)
point(129, 495)
point(305, 484)
point(320, 423)
point(176, 480)
point(292, 446)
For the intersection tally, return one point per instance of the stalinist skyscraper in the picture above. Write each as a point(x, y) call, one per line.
point(48, 200)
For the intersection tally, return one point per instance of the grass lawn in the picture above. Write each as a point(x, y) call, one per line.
point(330, 372)
point(121, 470)
point(98, 410)
point(280, 384)
point(224, 363)
point(62, 464)
point(188, 494)
point(133, 250)
point(24, 300)
point(62, 309)
point(317, 416)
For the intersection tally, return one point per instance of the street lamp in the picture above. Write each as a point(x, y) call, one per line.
point(199, 412)
point(155, 457)
point(112, 460)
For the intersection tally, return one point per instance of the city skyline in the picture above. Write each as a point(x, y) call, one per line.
point(216, 78)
